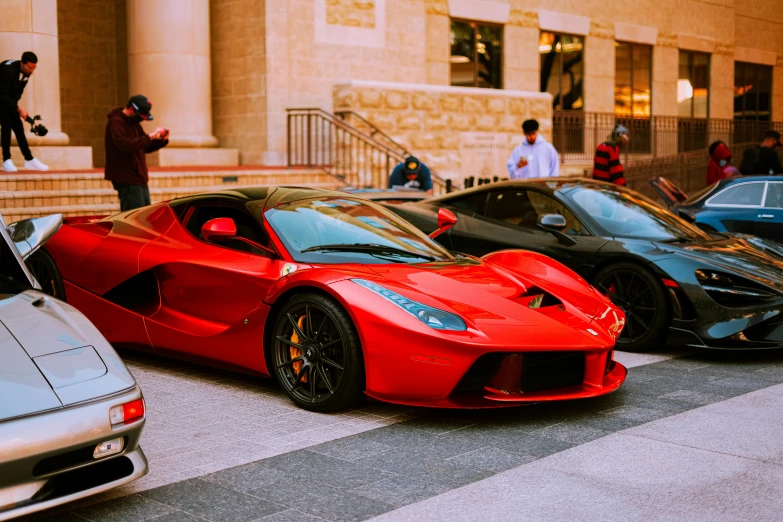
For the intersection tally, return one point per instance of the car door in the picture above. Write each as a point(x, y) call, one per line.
point(770, 218)
point(211, 294)
point(738, 206)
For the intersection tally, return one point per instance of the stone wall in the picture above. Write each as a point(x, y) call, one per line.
point(93, 68)
point(351, 13)
point(458, 132)
point(239, 77)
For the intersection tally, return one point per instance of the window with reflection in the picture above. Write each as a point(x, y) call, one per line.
point(633, 79)
point(476, 54)
point(693, 85)
point(752, 91)
point(562, 69)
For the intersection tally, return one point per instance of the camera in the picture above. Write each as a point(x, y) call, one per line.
point(36, 128)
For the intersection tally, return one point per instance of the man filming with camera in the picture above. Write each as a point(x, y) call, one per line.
point(14, 76)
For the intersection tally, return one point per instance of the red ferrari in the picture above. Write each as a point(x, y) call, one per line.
point(334, 296)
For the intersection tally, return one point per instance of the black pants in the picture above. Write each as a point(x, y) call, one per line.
point(11, 121)
point(132, 196)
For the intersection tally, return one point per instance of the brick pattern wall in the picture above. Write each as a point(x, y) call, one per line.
point(239, 77)
point(351, 13)
point(93, 68)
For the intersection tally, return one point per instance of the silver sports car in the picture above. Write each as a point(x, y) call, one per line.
point(71, 414)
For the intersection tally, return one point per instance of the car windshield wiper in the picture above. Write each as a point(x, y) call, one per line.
point(367, 247)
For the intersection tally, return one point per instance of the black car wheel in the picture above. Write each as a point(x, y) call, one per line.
point(45, 271)
point(316, 355)
point(643, 299)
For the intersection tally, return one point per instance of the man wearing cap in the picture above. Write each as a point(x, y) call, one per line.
point(763, 159)
point(126, 144)
point(412, 174)
point(606, 164)
point(14, 76)
point(534, 157)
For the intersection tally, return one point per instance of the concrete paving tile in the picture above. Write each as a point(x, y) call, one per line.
point(291, 515)
point(212, 501)
point(491, 459)
point(51, 515)
point(246, 477)
point(635, 413)
point(401, 491)
point(438, 471)
point(692, 397)
point(571, 432)
point(350, 449)
point(133, 508)
point(177, 516)
point(336, 472)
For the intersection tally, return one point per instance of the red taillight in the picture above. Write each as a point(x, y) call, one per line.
point(669, 283)
point(127, 412)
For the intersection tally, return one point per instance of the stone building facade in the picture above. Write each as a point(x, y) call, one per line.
point(221, 73)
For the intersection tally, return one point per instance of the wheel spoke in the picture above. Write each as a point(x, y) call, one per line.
point(325, 379)
point(320, 328)
point(309, 322)
point(641, 322)
point(289, 342)
point(637, 296)
point(330, 343)
point(290, 362)
point(302, 373)
point(629, 329)
point(331, 363)
point(647, 308)
point(298, 330)
point(312, 377)
point(611, 295)
point(620, 290)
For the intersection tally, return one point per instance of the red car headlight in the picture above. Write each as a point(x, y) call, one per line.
point(127, 412)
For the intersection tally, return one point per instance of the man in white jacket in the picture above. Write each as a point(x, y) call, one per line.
point(535, 157)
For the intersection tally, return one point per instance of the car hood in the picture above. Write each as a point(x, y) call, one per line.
point(60, 351)
point(496, 300)
point(747, 257)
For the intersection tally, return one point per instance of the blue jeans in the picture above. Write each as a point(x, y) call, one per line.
point(132, 196)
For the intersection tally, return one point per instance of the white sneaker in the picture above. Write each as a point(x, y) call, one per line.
point(9, 166)
point(34, 164)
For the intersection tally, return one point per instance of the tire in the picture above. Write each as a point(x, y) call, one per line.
point(316, 355)
point(643, 298)
point(44, 269)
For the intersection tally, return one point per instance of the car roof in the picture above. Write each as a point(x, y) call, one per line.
point(743, 179)
point(282, 194)
point(549, 185)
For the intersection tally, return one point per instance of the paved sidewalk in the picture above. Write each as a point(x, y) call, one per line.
point(719, 462)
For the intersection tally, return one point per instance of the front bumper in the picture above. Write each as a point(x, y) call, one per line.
point(46, 459)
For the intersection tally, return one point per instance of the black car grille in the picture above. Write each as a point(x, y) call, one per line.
point(541, 371)
point(552, 370)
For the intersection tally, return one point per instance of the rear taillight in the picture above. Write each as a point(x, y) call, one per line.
point(125, 413)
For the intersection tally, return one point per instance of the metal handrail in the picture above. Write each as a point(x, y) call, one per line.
point(373, 129)
point(319, 139)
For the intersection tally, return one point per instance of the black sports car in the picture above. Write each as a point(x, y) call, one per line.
point(670, 277)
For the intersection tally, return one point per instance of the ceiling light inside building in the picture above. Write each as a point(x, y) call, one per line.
point(684, 90)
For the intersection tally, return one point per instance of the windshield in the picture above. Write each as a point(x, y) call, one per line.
point(631, 215)
point(347, 230)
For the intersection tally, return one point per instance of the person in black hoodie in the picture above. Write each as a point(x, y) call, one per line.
point(126, 145)
point(14, 75)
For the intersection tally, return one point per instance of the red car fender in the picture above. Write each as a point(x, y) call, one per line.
point(316, 277)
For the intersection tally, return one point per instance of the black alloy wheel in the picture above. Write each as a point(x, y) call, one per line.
point(316, 355)
point(642, 297)
point(45, 271)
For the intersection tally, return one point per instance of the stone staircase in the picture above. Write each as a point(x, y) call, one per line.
point(82, 193)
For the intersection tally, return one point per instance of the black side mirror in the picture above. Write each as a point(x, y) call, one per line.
point(555, 224)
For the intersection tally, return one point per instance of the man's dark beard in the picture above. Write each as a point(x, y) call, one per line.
point(136, 118)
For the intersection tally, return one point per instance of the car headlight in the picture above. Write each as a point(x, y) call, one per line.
point(732, 291)
point(432, 317)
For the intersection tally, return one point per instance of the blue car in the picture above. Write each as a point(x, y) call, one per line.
point(743, 205)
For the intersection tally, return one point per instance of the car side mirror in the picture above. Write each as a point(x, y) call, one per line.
point(219, 229)
point(446, 220)
point(555, 224)
point(30, 234)
point(687, 215)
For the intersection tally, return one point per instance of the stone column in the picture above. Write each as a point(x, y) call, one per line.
point(777, 89)
point(666, 59)
point(169, 62)
point(599, 67)
point(31, 25)
point(522, 64)
point(438, 52)
point(721, 90)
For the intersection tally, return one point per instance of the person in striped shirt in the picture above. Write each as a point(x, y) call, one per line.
point(606, 165)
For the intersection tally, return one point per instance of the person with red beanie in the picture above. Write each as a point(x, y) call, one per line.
point(718, 167)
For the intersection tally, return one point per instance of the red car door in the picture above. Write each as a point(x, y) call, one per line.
point(211, 294)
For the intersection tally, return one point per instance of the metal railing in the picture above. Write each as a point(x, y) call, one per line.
point(318, 139)
point(576, 134)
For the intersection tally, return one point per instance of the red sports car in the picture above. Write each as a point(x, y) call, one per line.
point(334, 296)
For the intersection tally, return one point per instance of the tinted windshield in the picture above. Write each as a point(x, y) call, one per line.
point(334, 221)
point(631, 215)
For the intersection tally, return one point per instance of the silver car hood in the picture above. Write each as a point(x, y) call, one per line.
point(73, 362)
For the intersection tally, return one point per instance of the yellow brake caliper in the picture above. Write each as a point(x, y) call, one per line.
point(296, 352)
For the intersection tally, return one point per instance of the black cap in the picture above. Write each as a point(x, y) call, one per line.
point(775, 135)
point(142, 106)
point(411, 166)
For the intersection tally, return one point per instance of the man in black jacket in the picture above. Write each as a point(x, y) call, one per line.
point(763, 159)
point(126, 146)
point(14, 75)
